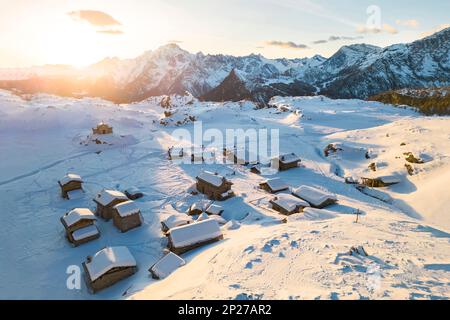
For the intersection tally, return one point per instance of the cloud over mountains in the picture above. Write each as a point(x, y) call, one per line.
point(287, 45)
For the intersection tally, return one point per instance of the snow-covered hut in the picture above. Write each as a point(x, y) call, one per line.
point(126, 216)
point(287, 161)
point(274, 185)
point(287, 204)
point(232, 225)
point(380, 182)
point(214, 209)
point(70, 182)
point(197, 157)
point(221, 221)
point(315, 197)
point(196, 208)
point(166, 265)
point(194, 235)
point(102, 128)
point(80, 226)
point(202, 217)
point(108, 266)
point(256, 169)
point(106, 200)
point(175, 220)
point(133, 193)
point(176, 153)
point(215, 187)
point(243, 157)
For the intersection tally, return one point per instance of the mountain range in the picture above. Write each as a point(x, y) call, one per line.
point(355, 71)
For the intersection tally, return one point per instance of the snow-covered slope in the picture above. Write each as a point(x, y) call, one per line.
point(406, 236)
point(426, 139)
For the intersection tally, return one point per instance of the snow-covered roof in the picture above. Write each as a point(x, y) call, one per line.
point(289, 202)
point(219, 219)
point(203, 216)
point(196, 206)
point(227, 194)
point(276, 184)
point(168, 264)
point(107, 259)
point(211, 178)
point(313, 214)
point(133, 190)
point(232, 225)
point(85, 232)
point(103, 124)
point(390, 179)
point(386, 179)
point(107, 196)
point(245, 155)
point(256, 166)
point(289, 158)
point(76, 215)
point(313, 195)
point(214, 209)
point(69, 178)
point(177, 151)
point(127, 208)
point(176, 220)
point(194, 233)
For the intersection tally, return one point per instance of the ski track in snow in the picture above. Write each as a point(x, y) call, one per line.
point(307, 258)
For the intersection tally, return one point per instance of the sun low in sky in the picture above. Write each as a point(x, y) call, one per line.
point(83, 32)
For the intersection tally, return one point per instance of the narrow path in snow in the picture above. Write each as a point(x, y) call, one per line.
point(48, 166)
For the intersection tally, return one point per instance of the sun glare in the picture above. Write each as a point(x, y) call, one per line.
point(73, 45)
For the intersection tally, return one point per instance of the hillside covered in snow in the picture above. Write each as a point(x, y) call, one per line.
point(429, 101)
point(373, 243)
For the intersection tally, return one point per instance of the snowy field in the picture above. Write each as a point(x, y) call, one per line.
point(405, 229)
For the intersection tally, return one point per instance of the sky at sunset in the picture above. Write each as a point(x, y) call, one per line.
point(82, 32)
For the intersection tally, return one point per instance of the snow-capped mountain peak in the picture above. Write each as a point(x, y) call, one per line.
point(355, 71)
point(170, 69)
